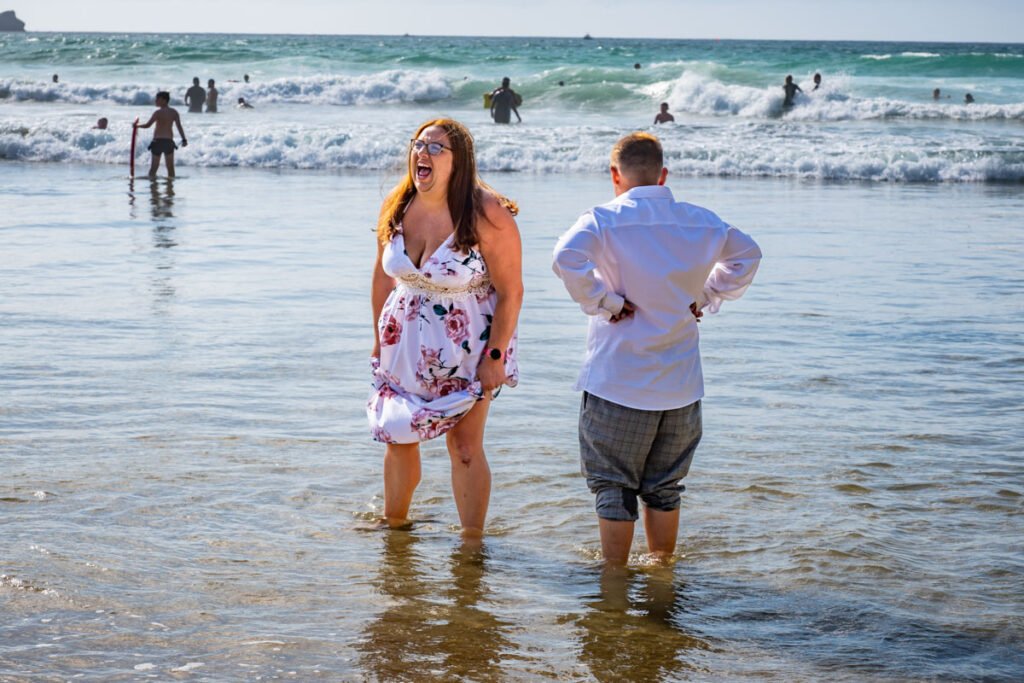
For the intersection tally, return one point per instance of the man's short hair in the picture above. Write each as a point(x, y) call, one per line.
point(163, 94)
point(638, 156)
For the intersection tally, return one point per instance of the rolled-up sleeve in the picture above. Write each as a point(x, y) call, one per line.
point(734, 270)
point(574, 263)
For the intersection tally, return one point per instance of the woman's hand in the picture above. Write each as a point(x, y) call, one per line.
point(491, 374)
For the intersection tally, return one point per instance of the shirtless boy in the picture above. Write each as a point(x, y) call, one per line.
point(163, 137)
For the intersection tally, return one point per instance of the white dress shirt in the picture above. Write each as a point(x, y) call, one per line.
point(661, 255)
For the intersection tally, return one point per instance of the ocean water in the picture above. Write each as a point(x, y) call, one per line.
point(188, 478)
point(333, 102)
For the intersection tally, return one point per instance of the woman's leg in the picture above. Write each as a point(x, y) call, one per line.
point(471, 476)
point(401, 477)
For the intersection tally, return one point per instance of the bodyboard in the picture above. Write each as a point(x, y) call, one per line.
point(135, 136)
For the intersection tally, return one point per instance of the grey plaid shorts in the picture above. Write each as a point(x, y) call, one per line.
point(626, 453)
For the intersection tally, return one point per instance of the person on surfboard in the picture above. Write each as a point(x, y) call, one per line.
point(165, 119)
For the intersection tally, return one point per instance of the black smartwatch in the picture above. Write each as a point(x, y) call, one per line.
point(494, 353)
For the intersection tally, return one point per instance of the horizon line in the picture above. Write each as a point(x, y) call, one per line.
point(529, 37)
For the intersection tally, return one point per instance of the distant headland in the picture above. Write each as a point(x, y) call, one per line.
point(9, 22)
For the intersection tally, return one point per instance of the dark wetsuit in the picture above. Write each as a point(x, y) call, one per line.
point(502, 100)
point(791, 90)
point(196, 97)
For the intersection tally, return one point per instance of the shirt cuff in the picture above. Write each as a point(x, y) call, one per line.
point(611, 305)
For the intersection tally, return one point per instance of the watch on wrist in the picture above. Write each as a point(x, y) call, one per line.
point(494, 353)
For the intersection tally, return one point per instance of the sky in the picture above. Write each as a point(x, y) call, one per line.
point(915, 20)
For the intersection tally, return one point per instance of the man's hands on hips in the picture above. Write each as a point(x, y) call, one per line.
point(697, 313)
point(627, 311)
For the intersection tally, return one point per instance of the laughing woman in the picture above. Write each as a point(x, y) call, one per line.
point(447, 287)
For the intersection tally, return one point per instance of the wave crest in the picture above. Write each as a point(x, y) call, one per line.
point(386, 87)
point(753, 149)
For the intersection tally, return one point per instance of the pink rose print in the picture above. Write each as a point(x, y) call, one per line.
point(429, 361)
point(430, 424)
point(450, 385)
point(482, 297)
point(380, 434)
point(456, 325)
point(412, 310)
point(392, 331)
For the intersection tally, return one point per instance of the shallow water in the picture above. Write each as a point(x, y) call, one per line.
point(188, 475)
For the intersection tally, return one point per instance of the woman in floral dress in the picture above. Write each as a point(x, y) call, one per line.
point(447, 288)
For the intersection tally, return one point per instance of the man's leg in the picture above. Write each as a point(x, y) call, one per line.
point(614, 442)
point(661, 529)
point(679, 433)
point(401, 477)
point(616, 540)
point(170, 164)
point(154, 164)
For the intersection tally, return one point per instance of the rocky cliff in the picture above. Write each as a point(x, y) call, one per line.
point(9, 22)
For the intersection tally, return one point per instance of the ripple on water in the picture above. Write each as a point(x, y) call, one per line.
point(852, 489)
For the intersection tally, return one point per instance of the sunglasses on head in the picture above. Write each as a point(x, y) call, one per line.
point(433, 148)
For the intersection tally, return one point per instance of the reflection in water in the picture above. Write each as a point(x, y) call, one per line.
point(161, 198)
point(161, 207)
point(633, 630)
point(433, 629)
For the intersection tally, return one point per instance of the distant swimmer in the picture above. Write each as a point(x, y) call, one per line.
point(211, 97)
point(637, 65)
point(195, 97)
point(242, 104)
point(101, 123)
point(246, 78)
point(505, 100)
point(968, 98)
point(165, 119)
point(936, 94)
point(791, 89)
point(817, 82)
point(663, 116)
point(56, 78)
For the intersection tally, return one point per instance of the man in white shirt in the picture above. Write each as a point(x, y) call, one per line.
point(645, 267)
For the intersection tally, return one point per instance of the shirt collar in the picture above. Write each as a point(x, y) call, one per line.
point(648, 192)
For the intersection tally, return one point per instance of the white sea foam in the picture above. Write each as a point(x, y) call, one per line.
point(385, 87)
point(698, 94)
point(739, 147)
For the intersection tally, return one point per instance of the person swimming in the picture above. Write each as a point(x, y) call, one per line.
point(663, 116)
point(791, 89)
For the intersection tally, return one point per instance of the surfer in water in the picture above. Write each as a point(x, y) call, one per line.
point(791, 89)
point(165, 119)
point(504, 100)
point(211, 97)
point(663, 116)
point(195, 97)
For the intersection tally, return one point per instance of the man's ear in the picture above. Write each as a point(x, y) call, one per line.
point(663, 177)
point(616, 175)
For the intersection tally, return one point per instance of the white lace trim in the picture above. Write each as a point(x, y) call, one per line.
point(478, 287)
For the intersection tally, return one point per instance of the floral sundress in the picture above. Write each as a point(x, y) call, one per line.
point(434, 328)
